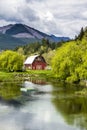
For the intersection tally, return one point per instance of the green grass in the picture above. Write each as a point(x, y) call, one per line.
point(4, 76)
point(39, 72)
point(9, 77)
point(19, 76)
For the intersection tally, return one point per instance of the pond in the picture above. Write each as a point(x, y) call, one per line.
point(52, 106)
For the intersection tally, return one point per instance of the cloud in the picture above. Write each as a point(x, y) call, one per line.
point(28, 13)
point(64, 18)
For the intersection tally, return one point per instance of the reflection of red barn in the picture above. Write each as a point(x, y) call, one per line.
point(35, 62)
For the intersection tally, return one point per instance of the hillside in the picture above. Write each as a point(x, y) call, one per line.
point(15, 35)
point(8, 42)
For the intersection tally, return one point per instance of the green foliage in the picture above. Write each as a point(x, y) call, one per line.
point(70, 61)
point(38, 47)
point(48, 56)
point(11, 61)
point(45, 48)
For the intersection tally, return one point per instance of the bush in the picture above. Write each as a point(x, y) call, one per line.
point(11, 61)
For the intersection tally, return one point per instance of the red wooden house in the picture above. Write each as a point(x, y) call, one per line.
point(35, 62)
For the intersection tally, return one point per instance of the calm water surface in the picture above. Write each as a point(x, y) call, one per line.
point(53, 106)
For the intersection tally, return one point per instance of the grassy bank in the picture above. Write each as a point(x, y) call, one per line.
point(4, 76)
point(20, 76)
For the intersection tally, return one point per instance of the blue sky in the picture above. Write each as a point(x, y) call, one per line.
point(59, 17)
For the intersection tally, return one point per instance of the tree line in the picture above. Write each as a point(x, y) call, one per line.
point(38, 47)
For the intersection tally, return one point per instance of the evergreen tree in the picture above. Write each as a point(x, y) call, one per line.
point(81, 34)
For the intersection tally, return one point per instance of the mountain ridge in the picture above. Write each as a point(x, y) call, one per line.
point(21, 34)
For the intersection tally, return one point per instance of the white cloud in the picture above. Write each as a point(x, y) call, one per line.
point(64, 18)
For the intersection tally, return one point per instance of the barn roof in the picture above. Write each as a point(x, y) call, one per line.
point(30, 59)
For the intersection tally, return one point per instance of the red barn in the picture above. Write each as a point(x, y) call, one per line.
point(35, 62)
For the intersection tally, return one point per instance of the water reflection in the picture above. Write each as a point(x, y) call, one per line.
point(52, 106)
point(72, 107)
point(8, 94)
point(9, 90)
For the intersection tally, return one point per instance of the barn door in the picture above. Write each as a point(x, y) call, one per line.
point(39, 67)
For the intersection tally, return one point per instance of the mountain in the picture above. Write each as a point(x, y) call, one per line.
point(59, 39)
point(19, 34)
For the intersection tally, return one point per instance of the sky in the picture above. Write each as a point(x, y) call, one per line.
point(58, 17)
